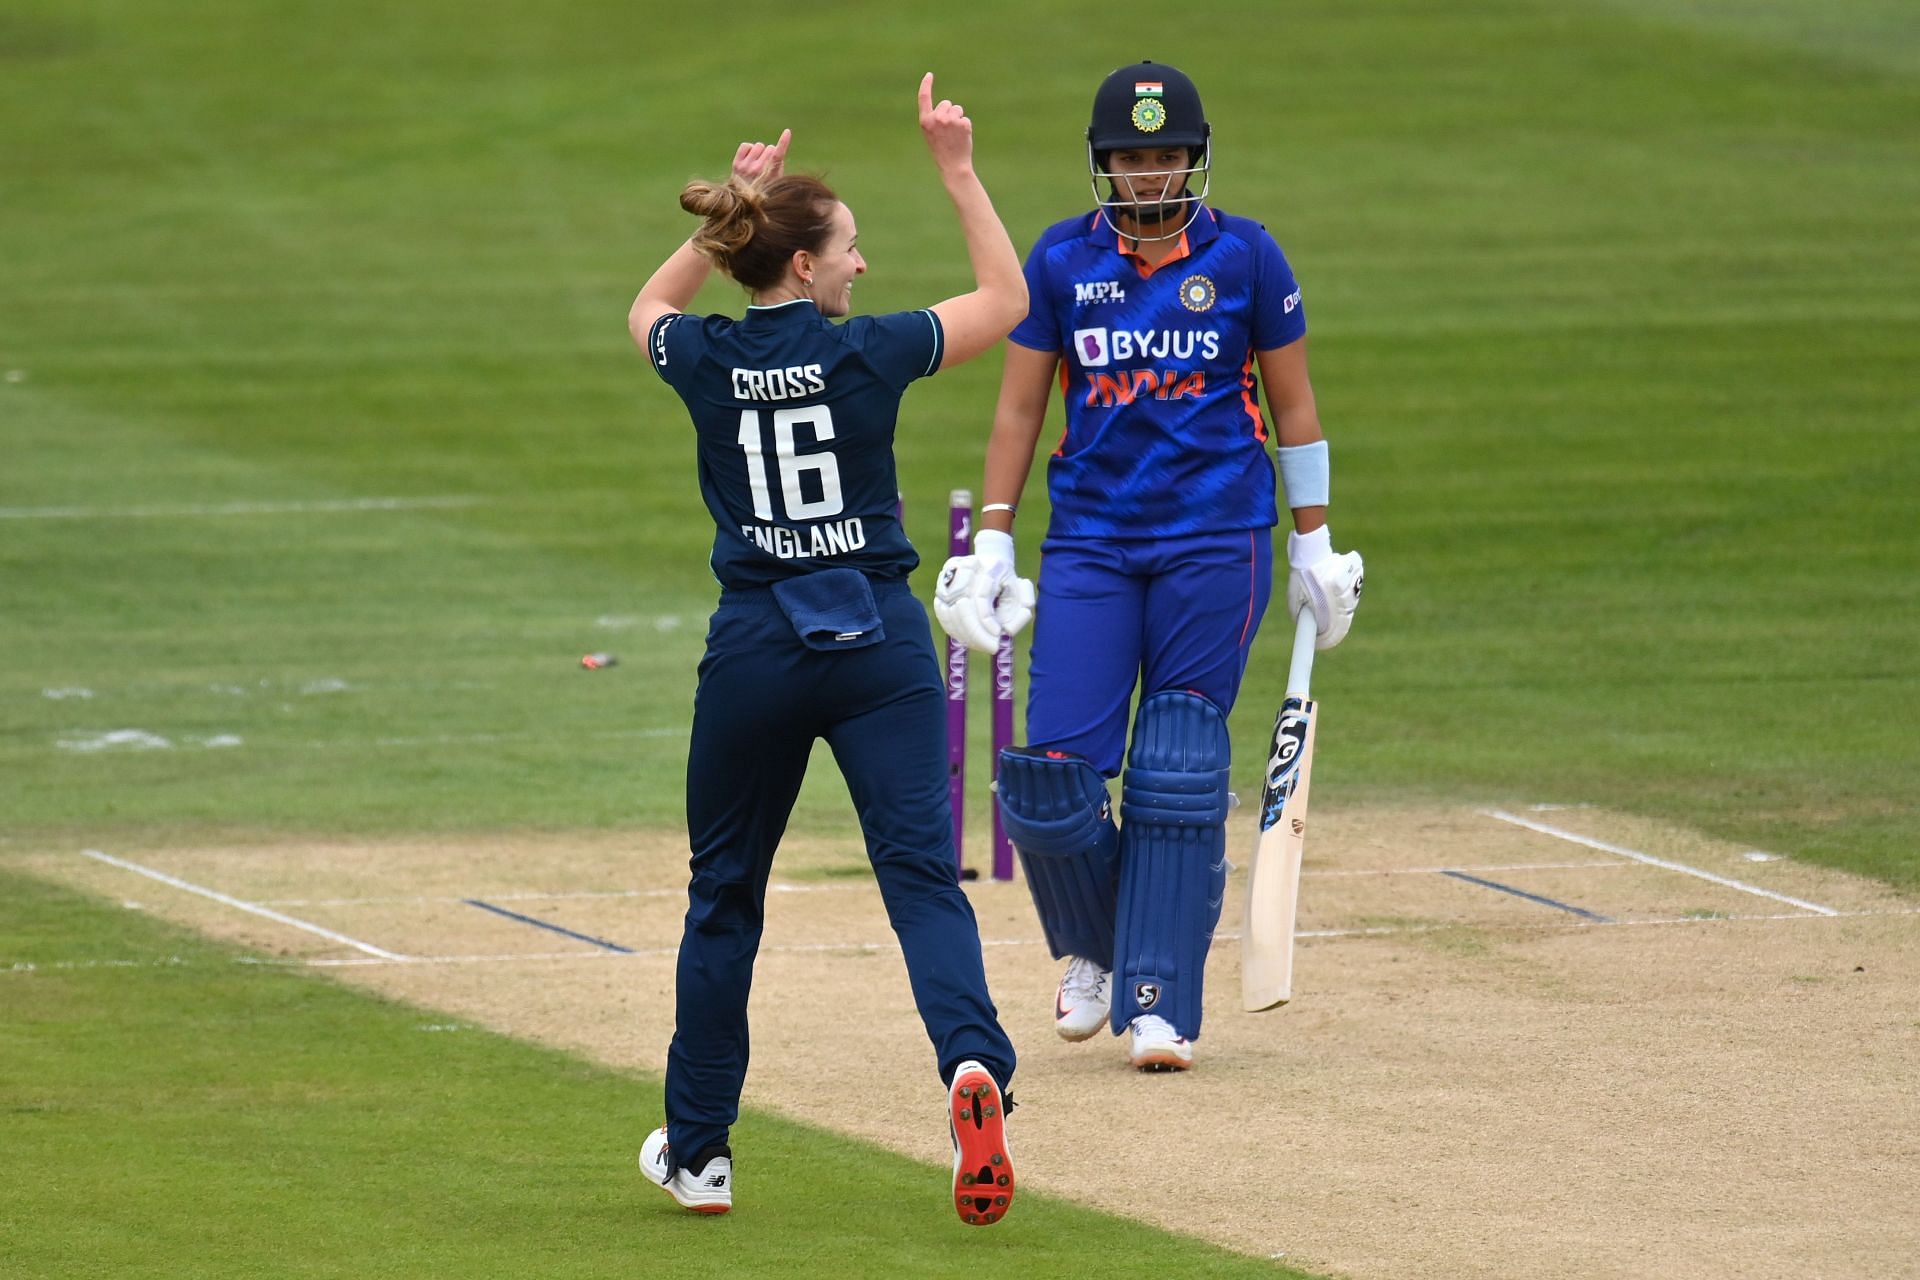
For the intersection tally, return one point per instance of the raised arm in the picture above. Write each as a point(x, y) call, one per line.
point(669, 289)
point(674, 284)
point(974, 321)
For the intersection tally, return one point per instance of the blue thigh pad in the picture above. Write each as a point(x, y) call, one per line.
point(1173, 858)
point(1056, 812)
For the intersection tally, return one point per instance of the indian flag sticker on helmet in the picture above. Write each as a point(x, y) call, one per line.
point(1197, 293)
point(1149, 115)
point(1146, 88)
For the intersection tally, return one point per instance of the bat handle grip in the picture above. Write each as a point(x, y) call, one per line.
point(1300, 673)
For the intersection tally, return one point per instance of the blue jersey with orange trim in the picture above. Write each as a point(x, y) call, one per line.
point(795, 418)
point(1165, 435)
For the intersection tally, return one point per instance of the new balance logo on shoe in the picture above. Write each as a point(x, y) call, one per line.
point(706, 1190)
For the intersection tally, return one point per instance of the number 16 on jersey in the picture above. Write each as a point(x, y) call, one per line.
point(1273, 887)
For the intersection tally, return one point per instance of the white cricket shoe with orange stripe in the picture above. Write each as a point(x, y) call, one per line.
point(1156, 1046)
point(1081, 1006)
point(982, 1165)
point(710, 1190)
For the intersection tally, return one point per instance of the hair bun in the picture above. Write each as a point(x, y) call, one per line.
point(750, 230)
point(723, 201)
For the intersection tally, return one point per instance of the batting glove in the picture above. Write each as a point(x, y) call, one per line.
point(979, 599)
point(1329, 583)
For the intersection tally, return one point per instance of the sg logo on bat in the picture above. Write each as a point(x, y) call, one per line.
point(1283, 760)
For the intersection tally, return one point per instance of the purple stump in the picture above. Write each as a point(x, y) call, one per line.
point(1002, 738)
point(959, 543)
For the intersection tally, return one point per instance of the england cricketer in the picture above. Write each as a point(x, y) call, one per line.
point(816, 634)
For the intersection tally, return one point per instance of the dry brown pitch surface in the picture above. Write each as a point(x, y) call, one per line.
point(1632, 1070)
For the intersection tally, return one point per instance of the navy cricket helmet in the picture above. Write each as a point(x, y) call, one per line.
point(1150, 106)
point(1147, 104)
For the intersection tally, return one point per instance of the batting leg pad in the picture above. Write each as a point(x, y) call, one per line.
point(1057, 814)
point(1173, 858)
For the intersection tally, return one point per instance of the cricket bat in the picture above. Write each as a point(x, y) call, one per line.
point(1273, 887)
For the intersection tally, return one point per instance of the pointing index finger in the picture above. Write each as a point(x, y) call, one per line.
point(926, 93)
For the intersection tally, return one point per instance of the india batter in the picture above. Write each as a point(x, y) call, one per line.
point(1160, 318)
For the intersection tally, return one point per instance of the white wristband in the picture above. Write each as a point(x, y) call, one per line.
point(1304, 474)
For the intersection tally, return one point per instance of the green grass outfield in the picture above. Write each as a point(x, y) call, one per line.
point(1613, 321)
point(169, 1111)
point(1614, 311)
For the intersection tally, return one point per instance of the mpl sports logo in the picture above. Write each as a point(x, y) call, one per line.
point(1283, 761)
point(1086, 292)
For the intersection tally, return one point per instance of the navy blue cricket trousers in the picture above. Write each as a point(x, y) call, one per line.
point(763, 698)
point(1163, 613)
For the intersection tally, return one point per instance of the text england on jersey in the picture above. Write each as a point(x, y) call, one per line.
point(829, 538)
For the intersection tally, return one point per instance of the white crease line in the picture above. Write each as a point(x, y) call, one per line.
point(867, 948)
point(226, 899)
point(237, 508)
point(1437, 871)
point(631, 953)
point(429, 899)
point(1652, 861)
point(295, 962)
point(850, 886)
point(585, 953)
point(29, 966)
point(1386, 930)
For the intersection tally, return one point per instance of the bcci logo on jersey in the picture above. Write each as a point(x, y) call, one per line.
point(1198, 294)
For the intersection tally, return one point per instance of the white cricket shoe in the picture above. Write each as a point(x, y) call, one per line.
point(982, 1165)
point(1157, 1046)
point(1085, 998)
point(708, 1191)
